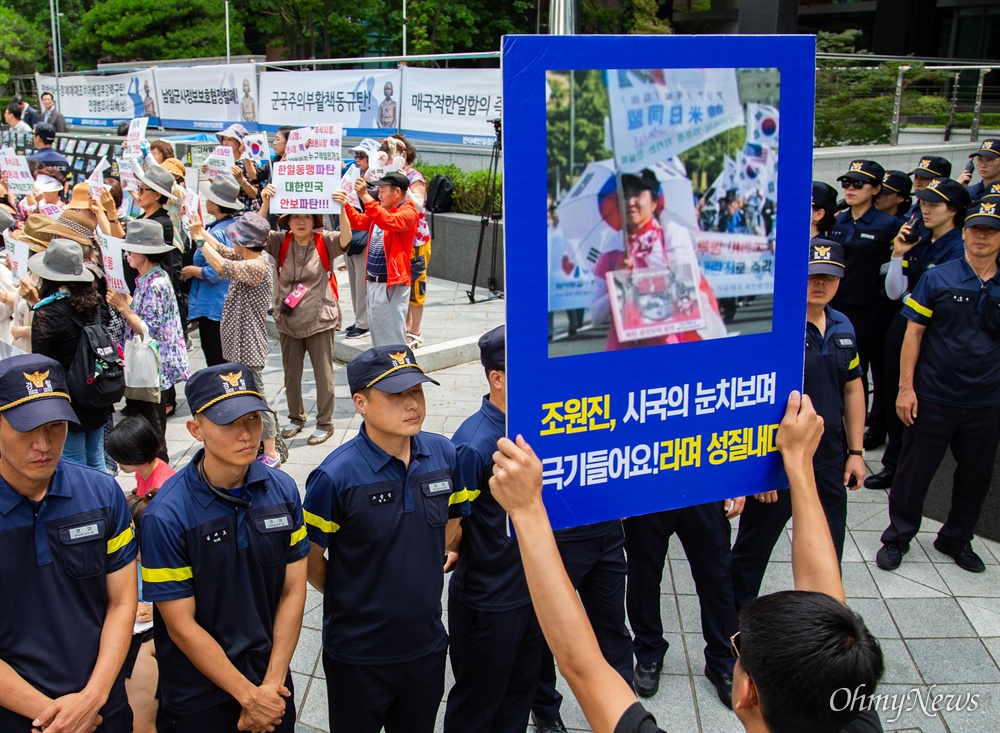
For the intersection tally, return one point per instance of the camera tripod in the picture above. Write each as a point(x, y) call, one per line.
point(491, 214)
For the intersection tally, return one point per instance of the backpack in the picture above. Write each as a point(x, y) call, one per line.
point(96, 378)
point(324, 259)
point(439, 194)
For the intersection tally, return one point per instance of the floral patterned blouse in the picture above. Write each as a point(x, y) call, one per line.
point(155, 303)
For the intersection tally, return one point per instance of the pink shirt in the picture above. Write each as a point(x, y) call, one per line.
point(156, 479)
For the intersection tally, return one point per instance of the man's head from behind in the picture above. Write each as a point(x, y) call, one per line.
point(493, 356)
point(797, 653)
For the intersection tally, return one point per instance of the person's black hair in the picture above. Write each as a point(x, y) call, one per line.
point(284, 130)
point(116, 190)
point(83, 297)
point(158, 257)
point(46, 94)
point(123, 129)
point(14, 109)
point(132, 442)
point(826, 223)
point(137, 507)
point(802, 649)
point(903, 206)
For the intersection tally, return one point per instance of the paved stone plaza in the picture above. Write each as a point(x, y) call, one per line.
point(939, 626)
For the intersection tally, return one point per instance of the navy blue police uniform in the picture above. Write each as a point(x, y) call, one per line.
point(48, 157)
point(989, 148)
point(594, 558)
point(496, 642)
point(831, 361)
point(929, 167)
point(704, 532)
point(867, 244)
point(957, 383)
point(229, 550)
point(926, 254)
point(383, 523)
point(57, 555)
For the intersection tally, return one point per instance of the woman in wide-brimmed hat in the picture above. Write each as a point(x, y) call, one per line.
point(68, 301)
point(16, 299)
point(155, 306)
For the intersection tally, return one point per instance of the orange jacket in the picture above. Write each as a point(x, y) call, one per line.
point(399, 225)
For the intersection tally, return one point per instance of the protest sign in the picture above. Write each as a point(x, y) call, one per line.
point(627, 427)
point(736, 265)
point(102, 101)
point(191, 205)
point(220, 161)
point(305, 187)
point(96, 179)
point(297, 144)
point(451, 105)
point(17, 255)
point(656, 113)
point(133, 140)
point(207, 97)
point(362, 100)
point(112, 258)
point(347, 184)
point(127, 176)
point(16, 173)
point(255, 148)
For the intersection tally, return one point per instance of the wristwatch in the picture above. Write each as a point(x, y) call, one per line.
point(855, 452)
point(199, 243)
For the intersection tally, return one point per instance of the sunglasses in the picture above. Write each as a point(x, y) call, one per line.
point(856, 185)
point(144, 188)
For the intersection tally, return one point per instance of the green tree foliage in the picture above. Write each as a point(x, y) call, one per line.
point(855, 99)
point(147, 30)
point(588, 113)
point(24, 45)
point(629, 16)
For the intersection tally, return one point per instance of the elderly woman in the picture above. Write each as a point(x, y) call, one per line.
point(153, 307)
point(308, 312)
point(68, 301)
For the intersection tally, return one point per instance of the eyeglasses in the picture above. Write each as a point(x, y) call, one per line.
point(734, 645)
point(144, 188)
point(856, 185)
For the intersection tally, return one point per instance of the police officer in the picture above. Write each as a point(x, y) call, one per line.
point(949, 393)
point(894, 198)
point(496, 642)
point(223, 560)
point(824, 208)
point(945, 202)
point(987, 161)
point(704, 532)
point(594, 558)
point(928, 168)
point(380, 503)
point(832, 381)
point(67, 566)
point(866, 235)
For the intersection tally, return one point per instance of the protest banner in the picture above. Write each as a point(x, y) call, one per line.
point(112, 258)
point(16, 173)
point(96, 179)
point(736, 265)
point(207, 97)
point(17, 255)
point(190, 207)
point(451, 105)
point(359, 99)
point(657, 113)
point(219, 161)
point(305, 187)
point(628, 427)
point(102, 101)
point(133, 140)
point(347, 184)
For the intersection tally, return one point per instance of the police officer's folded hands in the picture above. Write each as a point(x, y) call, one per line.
point(264, 708)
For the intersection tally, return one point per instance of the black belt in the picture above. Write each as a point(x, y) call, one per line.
point(377, 278)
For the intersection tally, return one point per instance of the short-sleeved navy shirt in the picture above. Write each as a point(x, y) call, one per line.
point(489, 575)
point(959, 362)
point(831, 362)
point(55, 557)
point(867, 246)
point(49, 158)
point(949, 246)
point(232, 559)
point(384, 526)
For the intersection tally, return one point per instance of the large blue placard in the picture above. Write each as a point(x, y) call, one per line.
point(656, 300)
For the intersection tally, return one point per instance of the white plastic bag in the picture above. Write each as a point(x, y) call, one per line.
point(142, 367)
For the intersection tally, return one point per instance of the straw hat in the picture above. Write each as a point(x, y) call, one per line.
point(73, 225)
point(175, 167)
point(33, 233)
point(81, 197)
point(317, 220)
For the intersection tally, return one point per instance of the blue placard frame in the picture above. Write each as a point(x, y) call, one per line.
point(534, 379)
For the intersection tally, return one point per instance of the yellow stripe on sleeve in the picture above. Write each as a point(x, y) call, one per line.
point(459, 496)
point(474, 494)
point(166, 575)
point(297, 536)
point(922, 310)
point(319, 523)
point(114, 545)
point(854, 363)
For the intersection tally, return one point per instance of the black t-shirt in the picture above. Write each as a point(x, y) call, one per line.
point(637, 720)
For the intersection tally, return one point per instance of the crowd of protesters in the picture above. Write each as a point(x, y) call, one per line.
point(228, 546)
